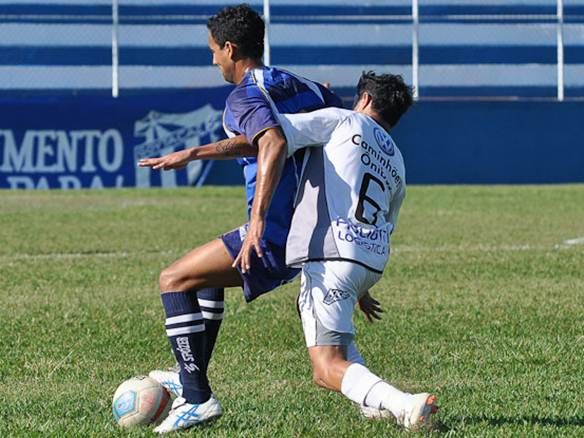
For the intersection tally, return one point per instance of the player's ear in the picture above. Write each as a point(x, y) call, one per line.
point(361, 102)
point(366, 99)
point(230, 49)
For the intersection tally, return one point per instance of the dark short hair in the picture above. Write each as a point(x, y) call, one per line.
point(391, 97)
point(240, 25)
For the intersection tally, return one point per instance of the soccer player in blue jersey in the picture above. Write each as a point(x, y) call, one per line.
point(252, 256)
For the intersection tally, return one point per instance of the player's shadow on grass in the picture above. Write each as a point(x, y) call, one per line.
point(526, 420)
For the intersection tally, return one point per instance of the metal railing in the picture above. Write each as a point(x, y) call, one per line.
point(415, 20)
point(417, 45)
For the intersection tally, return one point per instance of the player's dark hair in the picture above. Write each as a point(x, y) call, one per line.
point(240, 25)
point(391, 97)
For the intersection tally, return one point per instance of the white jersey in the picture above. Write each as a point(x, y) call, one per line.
point(350, 191)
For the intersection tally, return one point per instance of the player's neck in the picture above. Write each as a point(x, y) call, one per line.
point(375, 116)
point(365, 105)
point(242, 66)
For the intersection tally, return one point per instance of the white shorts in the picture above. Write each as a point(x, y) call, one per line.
point(329, 291)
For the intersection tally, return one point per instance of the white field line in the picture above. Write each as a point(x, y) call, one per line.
point(394, 249)
point(467, 248)
point(81, 255)
point(571, 242)
point(578, 241)
point(398, 248)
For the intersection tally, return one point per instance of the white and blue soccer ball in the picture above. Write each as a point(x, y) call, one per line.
point(140, 400)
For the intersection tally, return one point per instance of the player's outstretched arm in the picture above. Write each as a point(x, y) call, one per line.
point(224, 149)
point(271, 160)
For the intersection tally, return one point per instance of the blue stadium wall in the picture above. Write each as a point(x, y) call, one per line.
point(492, 142)
point(495, 60)
point(95, 141)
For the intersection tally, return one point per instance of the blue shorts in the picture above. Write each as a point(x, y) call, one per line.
point(266, 273)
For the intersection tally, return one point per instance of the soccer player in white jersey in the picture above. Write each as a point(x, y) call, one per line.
point(356, 184)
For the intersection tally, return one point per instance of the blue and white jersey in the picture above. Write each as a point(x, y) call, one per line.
point(252, 108)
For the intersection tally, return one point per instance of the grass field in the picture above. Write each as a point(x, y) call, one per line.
point(483, 299)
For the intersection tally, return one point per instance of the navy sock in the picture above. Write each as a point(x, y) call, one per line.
point(211, 302)
point(186, 332)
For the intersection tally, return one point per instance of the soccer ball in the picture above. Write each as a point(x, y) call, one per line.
point(140, 400)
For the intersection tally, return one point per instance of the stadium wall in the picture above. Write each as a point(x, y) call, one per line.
point(94, 141)
point(493, 142)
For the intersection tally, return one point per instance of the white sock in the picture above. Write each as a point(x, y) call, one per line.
point(353, 354)
point(357, 382)
point(384, 396)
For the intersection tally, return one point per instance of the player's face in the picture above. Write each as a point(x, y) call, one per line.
point(222, 58)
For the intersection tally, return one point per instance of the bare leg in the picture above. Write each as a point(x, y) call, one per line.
point(328, 366)
point(332, 371)
point(208, 265)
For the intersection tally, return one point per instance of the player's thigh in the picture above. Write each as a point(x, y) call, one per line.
point(328, 293)
point(208, 265)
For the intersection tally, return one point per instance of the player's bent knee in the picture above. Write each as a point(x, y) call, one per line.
point(169, 280)
point(173, 279)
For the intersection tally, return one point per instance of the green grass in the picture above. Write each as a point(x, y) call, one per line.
point(484, 305)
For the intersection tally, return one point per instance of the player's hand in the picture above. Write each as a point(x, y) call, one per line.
point(370, 307)
point(175, 160)
point(251, 244)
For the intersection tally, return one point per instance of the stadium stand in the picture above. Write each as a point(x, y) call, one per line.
point(497, 48)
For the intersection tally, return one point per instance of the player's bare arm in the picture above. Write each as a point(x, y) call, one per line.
point(271, 158)
point(224, 149)
point(230, 148)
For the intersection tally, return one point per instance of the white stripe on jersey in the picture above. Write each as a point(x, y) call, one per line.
point(308, 83)
point(258, 77)
point(228, 131)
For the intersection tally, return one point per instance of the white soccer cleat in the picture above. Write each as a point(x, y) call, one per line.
point(169, 379)
point(419, 415)
point(374, 413)
point(185, 415)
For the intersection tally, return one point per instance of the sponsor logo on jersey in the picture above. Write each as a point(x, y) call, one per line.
point(334, 295)
point(378, 161)
point(374, 240)
point(384, 141)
